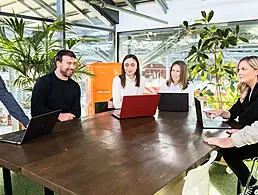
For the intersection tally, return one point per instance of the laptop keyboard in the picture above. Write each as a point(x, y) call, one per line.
point(15, 136)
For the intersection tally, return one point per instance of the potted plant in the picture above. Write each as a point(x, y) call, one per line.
point(31, 56)
point(207, 60)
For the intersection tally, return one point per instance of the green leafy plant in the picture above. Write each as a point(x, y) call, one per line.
point(31, 54)
point(207, 60)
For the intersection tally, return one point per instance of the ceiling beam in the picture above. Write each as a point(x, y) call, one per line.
point(80, 11)
point(30, 8)
point(121, 4)
point(112, 7)
point(131, 4)
point(45, 6)
point(163, 5)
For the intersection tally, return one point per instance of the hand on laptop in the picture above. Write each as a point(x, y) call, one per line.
point(232, 131)
point(65, 116)
point(213, 113)
point(220, 142)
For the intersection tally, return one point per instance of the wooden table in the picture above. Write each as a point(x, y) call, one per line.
point(102, 155)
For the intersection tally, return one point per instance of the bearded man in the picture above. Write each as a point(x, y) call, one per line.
point(57, 90)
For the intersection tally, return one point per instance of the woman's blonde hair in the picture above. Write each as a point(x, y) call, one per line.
point(243, 87)
point(183, 74)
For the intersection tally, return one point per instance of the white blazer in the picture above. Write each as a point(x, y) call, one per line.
point(118, 92)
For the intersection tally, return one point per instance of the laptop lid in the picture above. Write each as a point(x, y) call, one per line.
point(38, 126)
point(213, 123)
point(198, 110)
point(176, 102)
point(41, 125)
point(138, 106)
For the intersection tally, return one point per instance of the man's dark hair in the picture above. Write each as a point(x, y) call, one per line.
point(64, 52)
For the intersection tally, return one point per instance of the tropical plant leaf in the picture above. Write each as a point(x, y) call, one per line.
point(244, 39)
point(210, 15)
point(203, 14)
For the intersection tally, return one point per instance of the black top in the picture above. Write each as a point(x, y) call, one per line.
point(247, 111)
point(51, 93)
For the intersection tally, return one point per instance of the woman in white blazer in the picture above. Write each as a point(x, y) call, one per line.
point(178, 81)
point(129, 82)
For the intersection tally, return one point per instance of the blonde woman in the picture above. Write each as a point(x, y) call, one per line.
point(247, 105)
point(178, 81)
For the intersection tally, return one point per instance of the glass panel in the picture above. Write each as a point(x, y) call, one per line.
point(158, 49)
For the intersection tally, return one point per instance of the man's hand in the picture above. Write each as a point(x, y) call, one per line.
point(220, 142)
point(65, 116)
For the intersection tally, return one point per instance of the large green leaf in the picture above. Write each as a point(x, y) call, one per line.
point(210, 15)
point(204, 15)
point(244, 39)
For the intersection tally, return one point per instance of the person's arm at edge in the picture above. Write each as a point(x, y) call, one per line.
point(247, 136)
point(11, 104)
point(116, 92)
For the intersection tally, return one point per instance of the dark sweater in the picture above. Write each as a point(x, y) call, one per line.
point(247, 111)
point(51, 93)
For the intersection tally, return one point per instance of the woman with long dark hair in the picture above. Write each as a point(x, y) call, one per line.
point(178, 81)
point(129, 82)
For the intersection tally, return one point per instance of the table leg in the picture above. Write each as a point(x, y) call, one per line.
point(48, 191)
point(7, 181)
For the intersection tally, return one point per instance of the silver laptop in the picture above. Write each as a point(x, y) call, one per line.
point(38, 126)
point(213, 123)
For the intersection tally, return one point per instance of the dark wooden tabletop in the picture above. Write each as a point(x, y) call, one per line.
point(102, 155)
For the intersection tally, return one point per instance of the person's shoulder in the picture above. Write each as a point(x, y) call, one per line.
point(164, 83)
point(117, 78)
point(46, 76)
point(142, 79)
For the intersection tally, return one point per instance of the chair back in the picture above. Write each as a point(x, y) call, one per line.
point(198, 180)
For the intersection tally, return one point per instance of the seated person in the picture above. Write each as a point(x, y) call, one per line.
point(247, 105)
point(57, 90)
point(243, 144)
point(178, 81)
point(129, 82)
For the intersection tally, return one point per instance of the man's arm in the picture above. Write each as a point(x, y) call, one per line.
point(247, 136)
point(39, 97)
point(76, 107)
point(11, 105)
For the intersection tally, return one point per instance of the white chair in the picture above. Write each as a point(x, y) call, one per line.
point(197, 180)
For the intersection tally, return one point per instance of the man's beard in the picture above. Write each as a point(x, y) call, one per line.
point(66, 72)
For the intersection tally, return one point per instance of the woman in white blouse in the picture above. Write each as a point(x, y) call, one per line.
point(178, 81)
point(129, 82)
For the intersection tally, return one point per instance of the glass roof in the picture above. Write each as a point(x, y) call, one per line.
point(76, 11)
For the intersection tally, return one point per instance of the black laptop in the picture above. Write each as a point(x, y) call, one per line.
point(174, 102)
point(213, 123)
point(38, 126)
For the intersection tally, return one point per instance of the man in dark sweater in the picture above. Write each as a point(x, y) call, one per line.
point(57, 90)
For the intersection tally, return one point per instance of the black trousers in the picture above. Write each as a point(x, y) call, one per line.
point(234, 158)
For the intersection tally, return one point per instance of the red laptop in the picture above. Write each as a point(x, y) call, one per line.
point(137, 106)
